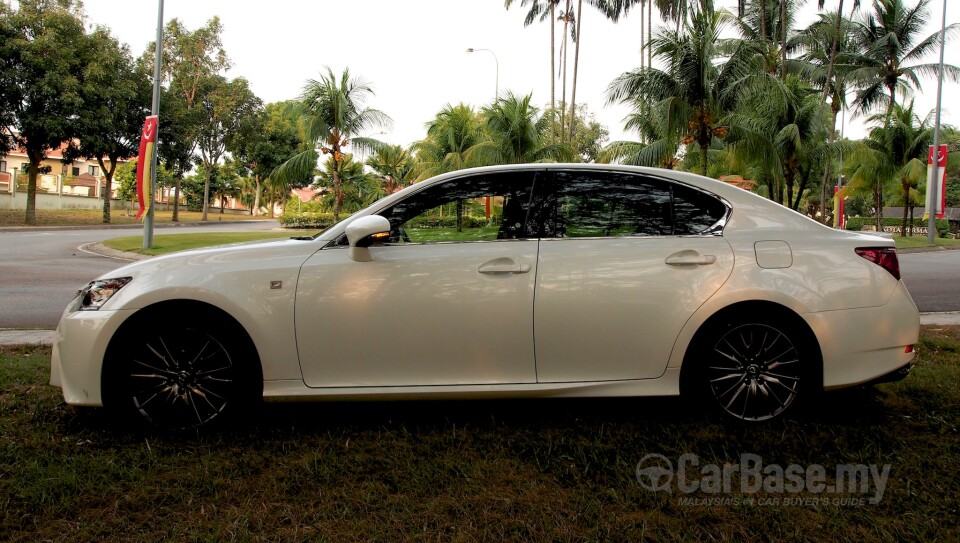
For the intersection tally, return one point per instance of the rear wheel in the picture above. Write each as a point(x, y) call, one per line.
point(755, 371)
point(180, 376)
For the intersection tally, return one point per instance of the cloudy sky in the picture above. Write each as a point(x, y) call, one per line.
point(413, 53)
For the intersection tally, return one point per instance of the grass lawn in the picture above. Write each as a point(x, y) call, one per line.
point(82, 217)
point(907, 242)
point(538, 470)
point(171, 243)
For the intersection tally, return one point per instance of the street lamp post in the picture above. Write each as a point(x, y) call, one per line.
point(154, 110)
point(933, 184)
point(496, 93)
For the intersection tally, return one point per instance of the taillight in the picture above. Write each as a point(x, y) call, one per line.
point(885, 257)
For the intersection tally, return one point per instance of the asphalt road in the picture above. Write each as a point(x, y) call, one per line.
point(40, 271)
point(933, 279)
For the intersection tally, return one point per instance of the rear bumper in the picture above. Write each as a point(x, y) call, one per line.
point(862, 345)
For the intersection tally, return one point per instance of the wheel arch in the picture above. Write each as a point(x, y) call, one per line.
point(751, 307)
point(176, 309)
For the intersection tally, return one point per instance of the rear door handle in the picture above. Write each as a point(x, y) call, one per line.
point(503, 265)
point(690, 257)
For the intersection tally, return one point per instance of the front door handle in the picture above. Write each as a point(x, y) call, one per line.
point(690, 257)
point(503, 265)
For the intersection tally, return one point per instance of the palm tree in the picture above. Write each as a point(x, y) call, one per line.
point(888, 43)
point(358, 188)
point(517, 134)
point(332, 114)
point(542, 10)
point(656, 148)
point(694, 92)
point(823, 41)
point(394, 165)
point(449, 135)
point(894, 152)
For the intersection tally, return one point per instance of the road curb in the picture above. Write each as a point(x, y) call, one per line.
point(928, 249)
point(125, 226)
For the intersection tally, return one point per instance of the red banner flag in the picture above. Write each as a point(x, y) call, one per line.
point(145, 164)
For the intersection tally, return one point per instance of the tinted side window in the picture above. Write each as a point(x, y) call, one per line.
point(604, 204)
point(457, 210)
point(695, 211)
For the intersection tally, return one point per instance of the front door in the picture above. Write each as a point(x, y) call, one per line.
point(447, 300)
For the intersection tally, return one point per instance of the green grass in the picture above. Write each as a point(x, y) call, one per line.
point(907, 242)
point(171, 243)
point(93, 217)
point(538, 470)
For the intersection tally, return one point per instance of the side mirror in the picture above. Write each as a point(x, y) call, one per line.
point(364, 232)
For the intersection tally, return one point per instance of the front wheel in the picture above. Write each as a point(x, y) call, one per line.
point(754, 371)
point(177, 377)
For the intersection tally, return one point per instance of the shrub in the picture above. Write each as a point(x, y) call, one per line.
point(306, 219)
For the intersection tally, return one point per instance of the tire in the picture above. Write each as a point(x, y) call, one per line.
point(754, 370)
point(186, 375)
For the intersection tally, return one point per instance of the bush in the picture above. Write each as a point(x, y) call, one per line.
point(447, 221)
point(857, 223)
point(306, 219)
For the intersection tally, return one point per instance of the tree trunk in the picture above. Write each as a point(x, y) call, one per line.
point(878, 201)
point(176, 199)
point(763, 20)
point(643, 30)
point(206, 193)
point(337, 192)
point(788, 177)
point(576, 63)
point(108, 191)
point(32, 171)
point(649, 33)
point(827, 87)
point(703, 159)
point(906, 204)
point(563, 87)
point(553, 71)
point(256, 197)
point(783, 39)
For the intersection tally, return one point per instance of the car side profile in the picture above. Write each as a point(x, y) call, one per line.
point(541, 280)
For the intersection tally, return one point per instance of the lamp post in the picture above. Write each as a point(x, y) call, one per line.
point(154, 110)
point(933, 184)
point(496, 93)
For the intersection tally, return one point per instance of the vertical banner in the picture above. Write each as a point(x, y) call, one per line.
point(839, 220)
point(941, 181)
point(148, 139)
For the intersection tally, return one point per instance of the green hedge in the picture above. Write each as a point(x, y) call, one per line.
point(447, 221)
point(306, 219)
point(857, 223)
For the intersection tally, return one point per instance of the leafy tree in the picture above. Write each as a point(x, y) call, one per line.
point(264, 141)
point(588, 135)
point(43, 56)
point(116, 101)
point(332, 115)
point(224, 106)
point(189, 59)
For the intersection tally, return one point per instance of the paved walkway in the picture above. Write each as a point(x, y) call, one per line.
point(46, 337)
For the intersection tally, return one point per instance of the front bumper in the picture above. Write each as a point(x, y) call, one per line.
point(78, 351)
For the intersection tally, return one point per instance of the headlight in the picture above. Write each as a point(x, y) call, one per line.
point(94, 295)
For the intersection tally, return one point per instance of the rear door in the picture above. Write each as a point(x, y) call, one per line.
point(625, 260)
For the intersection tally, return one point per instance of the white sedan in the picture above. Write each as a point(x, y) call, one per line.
point(538, 280)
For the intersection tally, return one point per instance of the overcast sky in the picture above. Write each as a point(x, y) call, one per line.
point(413, 53)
